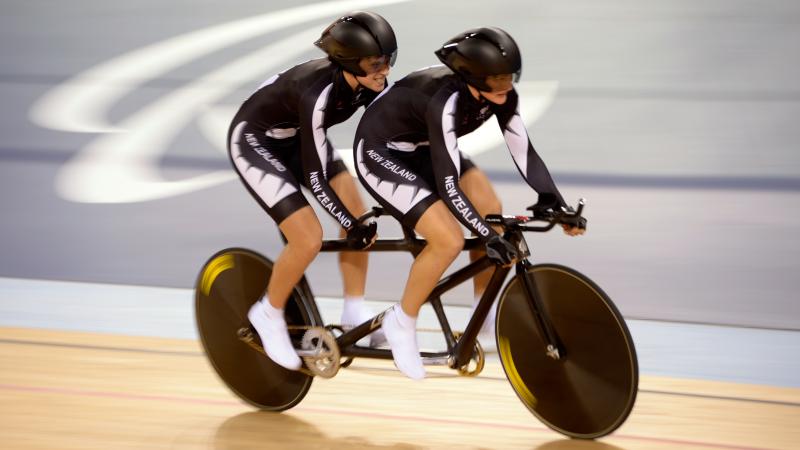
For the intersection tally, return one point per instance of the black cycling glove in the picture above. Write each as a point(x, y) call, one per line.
point(361, 235)
point(500, 251)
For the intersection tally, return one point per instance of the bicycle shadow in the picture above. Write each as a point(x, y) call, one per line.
point(261, 429)
point(576, 444)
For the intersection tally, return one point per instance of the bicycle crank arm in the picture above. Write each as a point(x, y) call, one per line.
point(314, 353)
point(435, 360)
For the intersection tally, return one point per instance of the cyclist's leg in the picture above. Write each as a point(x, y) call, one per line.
point(303, 240)
point(444, 242)
point(303, 234)
point(270, 171)
point(399, 186)
point(353, 265)
point(403, 184)
point(479, 190)
point(264, 172)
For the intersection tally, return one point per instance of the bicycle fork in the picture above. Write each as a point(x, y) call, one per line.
point(553, 347)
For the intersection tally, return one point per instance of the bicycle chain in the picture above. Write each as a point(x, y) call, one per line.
point(246, 335)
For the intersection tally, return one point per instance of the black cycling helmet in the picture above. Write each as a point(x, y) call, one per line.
point(356, 35)
point(481, 52)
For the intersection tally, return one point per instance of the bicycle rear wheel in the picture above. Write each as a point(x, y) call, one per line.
point(591, 389)
point(229, 283)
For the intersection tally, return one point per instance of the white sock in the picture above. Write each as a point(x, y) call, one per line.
point(272, 312)
point(271, 328)
point(354, 313)
point(401, 333)
point(406, 321)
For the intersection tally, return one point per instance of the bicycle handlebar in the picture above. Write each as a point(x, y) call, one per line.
point(414, 243)
point(552, 217)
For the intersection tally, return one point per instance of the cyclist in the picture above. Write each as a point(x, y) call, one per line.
point(407, 157)
point(278, 142)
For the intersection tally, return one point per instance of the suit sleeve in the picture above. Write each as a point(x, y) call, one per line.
point(446, 159)
point(314, 153)
point(528, 162)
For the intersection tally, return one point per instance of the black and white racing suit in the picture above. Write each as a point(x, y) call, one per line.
point(407, 155)
point(278, 140)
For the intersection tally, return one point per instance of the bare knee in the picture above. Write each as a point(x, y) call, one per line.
point(308, 247)
point(309, 242)
point(447, 243)
point(441, 231)
point(303, 235)
point(455, 243)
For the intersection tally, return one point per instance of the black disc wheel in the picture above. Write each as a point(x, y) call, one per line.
point(591, 389)
point(229, 283)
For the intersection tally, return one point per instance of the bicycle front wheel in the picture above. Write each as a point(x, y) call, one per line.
point(229, 283)
point(591, 389)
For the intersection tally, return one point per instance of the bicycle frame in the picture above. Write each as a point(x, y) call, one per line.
point(458, 352)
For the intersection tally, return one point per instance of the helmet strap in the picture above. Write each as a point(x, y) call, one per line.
point(359, 87)
point(351, 78)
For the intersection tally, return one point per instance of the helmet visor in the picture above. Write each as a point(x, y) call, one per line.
point(501, 83)
point(375, 64)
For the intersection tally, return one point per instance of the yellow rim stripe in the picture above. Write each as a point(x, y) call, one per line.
point(214, 268)
point(513, 375)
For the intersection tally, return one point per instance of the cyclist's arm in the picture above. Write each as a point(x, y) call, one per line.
point(446, 160)
point(528, 162)
point(314, 154)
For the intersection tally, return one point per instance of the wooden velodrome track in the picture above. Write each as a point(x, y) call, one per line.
point(75, 390)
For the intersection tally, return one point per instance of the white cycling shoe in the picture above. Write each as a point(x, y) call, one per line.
point(403, 342)
point(274, 335)
point(354, 315)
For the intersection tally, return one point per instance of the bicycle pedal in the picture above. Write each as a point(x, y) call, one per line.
point(249, 336)
point(246, 333)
